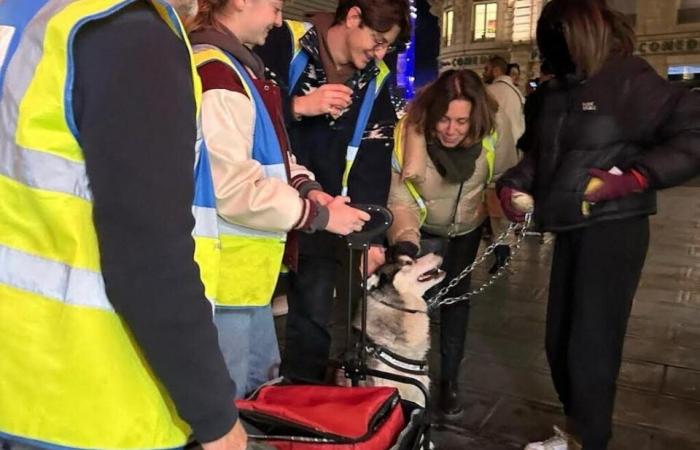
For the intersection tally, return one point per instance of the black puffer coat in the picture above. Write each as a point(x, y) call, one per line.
point(624, 116)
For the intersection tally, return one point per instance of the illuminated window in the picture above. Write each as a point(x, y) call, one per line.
point(684, 73)
point(689, 11)
point(524, 22)
point(448, 19)
point(485, 15)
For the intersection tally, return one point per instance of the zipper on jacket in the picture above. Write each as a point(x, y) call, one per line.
point(453, 225)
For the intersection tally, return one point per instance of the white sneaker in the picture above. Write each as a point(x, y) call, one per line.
point(560, 441)
point(280, 307)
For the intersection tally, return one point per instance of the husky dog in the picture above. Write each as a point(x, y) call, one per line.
point(398, 323)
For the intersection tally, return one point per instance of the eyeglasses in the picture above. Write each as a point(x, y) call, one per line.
point(381, 44)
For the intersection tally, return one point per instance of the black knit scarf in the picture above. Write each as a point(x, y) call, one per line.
point(456, 164)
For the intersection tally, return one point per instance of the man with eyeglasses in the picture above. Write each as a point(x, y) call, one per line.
point(341, 124)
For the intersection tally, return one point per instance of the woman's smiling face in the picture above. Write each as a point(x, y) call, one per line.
point(453, 126)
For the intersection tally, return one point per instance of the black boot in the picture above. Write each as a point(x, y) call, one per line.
point(449, 401)
point(502, 254)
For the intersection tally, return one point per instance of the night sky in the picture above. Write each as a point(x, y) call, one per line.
point(427, 44)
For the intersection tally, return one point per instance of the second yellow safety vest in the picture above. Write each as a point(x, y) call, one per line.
point(71, 373)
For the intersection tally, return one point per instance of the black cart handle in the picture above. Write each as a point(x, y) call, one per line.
point(380, 220)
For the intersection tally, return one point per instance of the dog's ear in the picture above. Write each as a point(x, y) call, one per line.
point(390, 269)
point(400, 249)
point(387, 271)
point(404, 260)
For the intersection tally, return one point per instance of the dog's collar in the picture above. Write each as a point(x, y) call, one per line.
point(398, 308)
point(398, 362)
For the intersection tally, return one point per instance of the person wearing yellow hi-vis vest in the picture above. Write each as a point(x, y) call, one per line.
point(107, 339)
point(340, 119)
point(262, 196)
point(445, 156)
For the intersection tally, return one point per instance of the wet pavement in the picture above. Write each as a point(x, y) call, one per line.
point(506, 390)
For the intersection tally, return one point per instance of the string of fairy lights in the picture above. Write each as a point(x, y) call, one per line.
point(405, 68)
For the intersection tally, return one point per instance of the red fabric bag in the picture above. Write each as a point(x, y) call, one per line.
point(325, 417)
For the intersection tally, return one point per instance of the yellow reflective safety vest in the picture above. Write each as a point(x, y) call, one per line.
point(71, 374)
point(488, 144)
point(207, 246)
point(251, 259)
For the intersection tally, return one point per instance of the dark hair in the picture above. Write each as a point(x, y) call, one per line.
point(205, 15)
point(379, 15)
point(546, 68)
point(512, 66)
point(588, 32)
point(431, 104)
point(499, 62)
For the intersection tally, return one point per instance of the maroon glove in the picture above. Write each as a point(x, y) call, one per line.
point(505, 195)
point(615, 186)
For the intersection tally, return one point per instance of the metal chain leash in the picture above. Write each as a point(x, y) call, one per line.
point(437, 300)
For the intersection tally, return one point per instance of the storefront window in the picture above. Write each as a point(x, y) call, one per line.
point(485, 17)
point(684, 73)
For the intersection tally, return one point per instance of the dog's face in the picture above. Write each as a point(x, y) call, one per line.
point(414, 276)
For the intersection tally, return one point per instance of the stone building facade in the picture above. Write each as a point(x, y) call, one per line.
point(668, 33)
point(668, 36)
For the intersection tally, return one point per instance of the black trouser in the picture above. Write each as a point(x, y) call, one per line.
point(595, 273)
point(310, 298)
point(460, 252)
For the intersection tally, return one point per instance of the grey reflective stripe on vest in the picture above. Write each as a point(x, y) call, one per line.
point(35, 169)
point(205, 222)
point(230, 229)
point(42, 170)
point(52, 279)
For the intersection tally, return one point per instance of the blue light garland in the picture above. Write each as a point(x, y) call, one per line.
point(406, 64)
